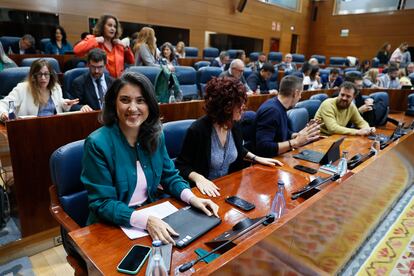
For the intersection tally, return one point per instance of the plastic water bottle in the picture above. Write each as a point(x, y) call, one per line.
point(257, 90)
point(279, 202)
point(343, 164)
point(156, 266)
point(172, 97)
point(12, 114)
point(376, 145)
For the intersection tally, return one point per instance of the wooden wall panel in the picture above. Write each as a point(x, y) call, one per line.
point(197, 15)
point(367, 32)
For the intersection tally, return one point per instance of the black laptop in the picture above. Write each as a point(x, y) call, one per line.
point(331, 155)
point(190, 223)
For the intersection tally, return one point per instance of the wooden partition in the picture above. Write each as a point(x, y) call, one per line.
point(62, 59)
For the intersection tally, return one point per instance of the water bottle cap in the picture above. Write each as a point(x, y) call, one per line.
point(280, 183)
point(156, 243)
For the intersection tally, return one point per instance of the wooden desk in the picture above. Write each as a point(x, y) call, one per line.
point(62, 59)
point(256, 184)
point(188, 61)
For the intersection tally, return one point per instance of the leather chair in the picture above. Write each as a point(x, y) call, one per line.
point(349, 69)
point(320, 97)
point(9, 78)
point(43, 43)
point(311, 106)
point(187, 77)
point(352, 72)
point(248, 128)
point(321, 59)
point(324, 74)
point(151, 72)
point(297, 119)
point(337, 61)
point(410, 109)
point(6, 41)
point(254, 56)
point(201, 64)
point(273, 81)
point(53, 62)
point(275, 57)
point(210, 53)
point(68, 198)
point(247, 72)
point(68, 78)
point(205, 74)
point(381, 96)
point(298, 58)
point(174, 133)
point(232, 53)
point(191, 52)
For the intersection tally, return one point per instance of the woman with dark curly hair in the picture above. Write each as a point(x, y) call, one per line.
point(125, 160)
point(58, 45)
point(106, 37)
point(168, 55)
point(213, 146)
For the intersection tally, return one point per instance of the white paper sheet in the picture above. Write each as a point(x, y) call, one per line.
point(160, 211)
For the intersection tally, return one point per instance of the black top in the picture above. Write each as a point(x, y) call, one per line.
point(83, 89)
point(256, 79)
point(196, 150)
point(383, 57)
point(15, 47)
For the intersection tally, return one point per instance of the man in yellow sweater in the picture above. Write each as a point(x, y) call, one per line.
point(336, 113)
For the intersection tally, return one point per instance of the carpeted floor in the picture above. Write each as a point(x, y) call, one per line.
point(21, 266)
point(9, 233)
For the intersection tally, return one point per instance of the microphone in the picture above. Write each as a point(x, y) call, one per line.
point(307, 188)
point(264, 220)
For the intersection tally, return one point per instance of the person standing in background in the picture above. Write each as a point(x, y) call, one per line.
point(145, 48)
point(383, 54)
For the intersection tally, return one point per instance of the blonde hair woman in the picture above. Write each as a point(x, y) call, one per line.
point(145, 48)
point(371, 78)
point(180, 49)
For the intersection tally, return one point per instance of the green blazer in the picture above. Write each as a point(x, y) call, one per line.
point(110, 175)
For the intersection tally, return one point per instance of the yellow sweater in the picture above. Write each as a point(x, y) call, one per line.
point(335, 120)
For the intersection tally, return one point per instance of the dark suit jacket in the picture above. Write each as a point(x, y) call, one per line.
point(196, 151)
point(83, 89)
point(16, 49)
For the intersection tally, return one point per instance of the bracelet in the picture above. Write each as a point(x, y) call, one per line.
point(254, 158)
point(290, 144)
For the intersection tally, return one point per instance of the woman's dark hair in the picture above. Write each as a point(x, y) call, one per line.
point(169, 45)
point(314, 71)
point(222, 96)
point(150, 129)
point(306, 67)
point(53, 34)
point(98, 30)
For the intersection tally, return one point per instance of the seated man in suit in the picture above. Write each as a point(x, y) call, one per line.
point(259, 81)
point(390, 80)
point(24, 46)
point(287, 64)
point(334, 79)
point(90, 88)
point(222, 60)
point(273, 135)
point(236, 71)
point(337, 113)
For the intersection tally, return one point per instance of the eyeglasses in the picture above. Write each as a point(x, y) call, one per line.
point(39, 75)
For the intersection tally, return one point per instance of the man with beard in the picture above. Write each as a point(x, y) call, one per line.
point(337, 113)
point(390, 80)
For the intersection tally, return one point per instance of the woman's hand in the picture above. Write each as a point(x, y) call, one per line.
point(160, 230)
point(268, 161)
point(205, 205)
point(207, 187)
point(100, 39)
point(4, 117)
point(69, 103)
point(86, 108)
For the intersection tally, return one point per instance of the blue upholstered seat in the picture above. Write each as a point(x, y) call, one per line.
point(9, 78)
point(6, 41)
point(210, 53)
point(321, 97)
point(381, 96)
point(311, 106)
point(187, 77)
point(174, 133)
point(297, 118)
point(233, 53)
point(53, 62)
point(375, 62)
point(191, 52)
point(254, 56)
point(43, 43)
point(68, 78)
point(273, 81)
point(353, 72)
point(201, 64)
point(247, 71)
point(410, 108)
point(248, 129)
point(337, 61)
point(411, 76)
point(298, 58)
point(275, 57)
point(321, 59)
point(151, 72)
point(205, 74)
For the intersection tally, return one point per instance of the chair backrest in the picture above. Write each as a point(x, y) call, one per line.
point(380, 96)
point(337, 61)
point(9, 78)
point(206, 74)
point(151, 72)
point(350, 69)
point(298, 58)
point(273, 81)
point(321, 59)
point(411, 101)
point(248, 129)
point(375, 62)
point(65, 170)
point(210, 53)
point(43, 43)
point(191, 52)
point(353, 72)
point(320, 97)
point(324, 73)
point(254, 56)
point(247, 71)
point(381, 110)
point(6, 41)
point(187, 77)
point(297, 118)
point(233, 53)
point(53, 62)
point(411, 76)
point(310, 105)
point(68, 78)
point(201, 64)
point(275, 57)
point(174, 133)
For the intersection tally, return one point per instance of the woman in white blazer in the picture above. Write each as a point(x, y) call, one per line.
point(39, 95)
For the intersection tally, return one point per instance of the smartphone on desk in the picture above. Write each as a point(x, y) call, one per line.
point(240, 203)
point(134, 259)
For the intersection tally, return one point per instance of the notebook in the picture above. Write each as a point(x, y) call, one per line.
point(191, 224)
point(331, 155)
